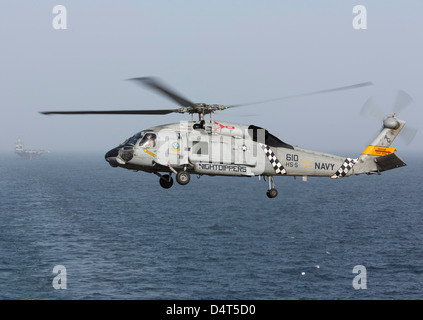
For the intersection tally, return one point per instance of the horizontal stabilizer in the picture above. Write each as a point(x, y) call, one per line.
point(388, 162)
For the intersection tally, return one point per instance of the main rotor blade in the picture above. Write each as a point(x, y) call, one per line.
point(158, 111)
point(364, 84)
point(402, 101)
point(158, 86)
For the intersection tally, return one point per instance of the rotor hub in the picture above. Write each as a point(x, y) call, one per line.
point(391, 123)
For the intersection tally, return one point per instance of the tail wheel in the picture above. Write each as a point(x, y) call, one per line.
point(183, 177)
point(272, 193)
point(166, 181)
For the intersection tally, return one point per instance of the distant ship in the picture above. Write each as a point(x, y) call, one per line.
point(26, 153)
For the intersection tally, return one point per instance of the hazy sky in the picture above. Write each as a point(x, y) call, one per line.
point(222, 52)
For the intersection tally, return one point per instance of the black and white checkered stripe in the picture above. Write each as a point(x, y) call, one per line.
point(276, 164)
point(346, 166)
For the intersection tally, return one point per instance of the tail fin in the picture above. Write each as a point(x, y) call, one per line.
point(391, 161)
point(378, 156)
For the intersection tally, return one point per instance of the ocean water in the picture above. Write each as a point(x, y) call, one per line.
point(119, 235)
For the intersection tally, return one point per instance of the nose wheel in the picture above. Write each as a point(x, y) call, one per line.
point(272, 192)
point(166, 181)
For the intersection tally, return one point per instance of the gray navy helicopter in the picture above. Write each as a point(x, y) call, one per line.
point(218, 148)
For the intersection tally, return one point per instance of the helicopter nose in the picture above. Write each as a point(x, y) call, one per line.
point(111, 157)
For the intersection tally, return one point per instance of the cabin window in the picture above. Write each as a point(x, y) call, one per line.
point(200, 148)
point(263, 136)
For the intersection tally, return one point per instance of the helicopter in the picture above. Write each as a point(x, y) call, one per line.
point(219, 148)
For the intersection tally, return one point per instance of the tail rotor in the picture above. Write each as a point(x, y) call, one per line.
point(403, 100)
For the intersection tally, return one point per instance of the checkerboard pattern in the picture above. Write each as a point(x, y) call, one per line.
point(346, 166)
point(276, 164)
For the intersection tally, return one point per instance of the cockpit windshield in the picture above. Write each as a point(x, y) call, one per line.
point(146, 140)
point(133, 140)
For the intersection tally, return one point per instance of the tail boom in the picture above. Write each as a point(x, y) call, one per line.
point(378, 156)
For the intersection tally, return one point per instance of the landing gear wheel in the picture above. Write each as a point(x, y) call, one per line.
point(166, 181)
point(272, 193)
point(183, 177)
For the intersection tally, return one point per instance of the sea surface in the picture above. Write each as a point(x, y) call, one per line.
point(117, 234)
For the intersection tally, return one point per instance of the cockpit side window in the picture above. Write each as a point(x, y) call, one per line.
point(148, 141)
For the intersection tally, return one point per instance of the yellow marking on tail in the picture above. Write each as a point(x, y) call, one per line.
point(378, 151)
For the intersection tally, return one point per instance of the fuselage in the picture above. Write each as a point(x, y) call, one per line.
point(219, 148)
